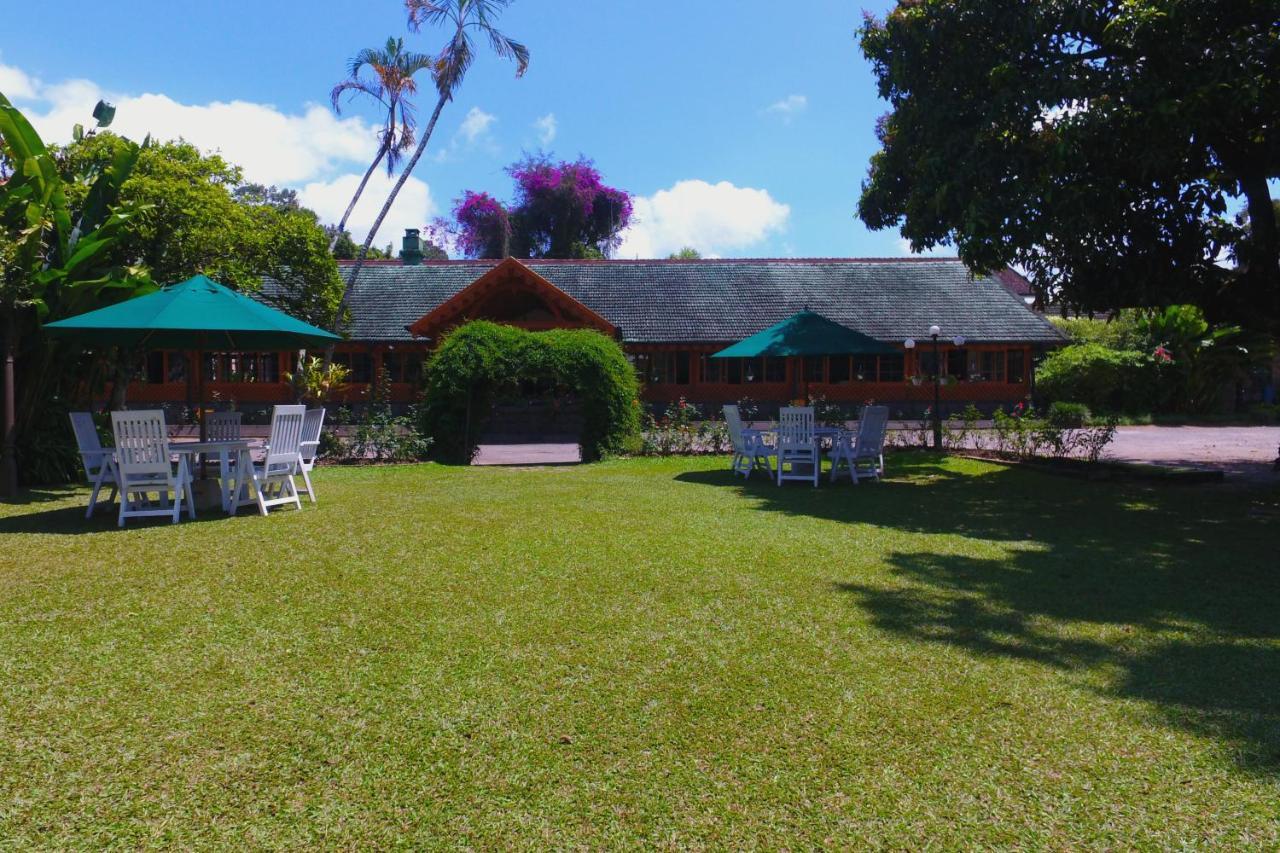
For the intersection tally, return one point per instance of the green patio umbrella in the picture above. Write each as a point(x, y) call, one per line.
point(806, 333)
point(197, 314)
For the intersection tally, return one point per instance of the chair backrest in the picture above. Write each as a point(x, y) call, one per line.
point(872, 426)
point(795, 427)
point(223, 426)
point(733, 421)
point(142, 443)
point(90, 446)
point(312, 423)
point(286, 436)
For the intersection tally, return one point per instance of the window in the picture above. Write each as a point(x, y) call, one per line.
point(154, 372)
point(864, 368)
point(892, 368)
point(814, 368)
point(775, 370)
point(986, 366)
point(712, 369)
point(662, 368)
point(242, 367)
point(1017, 366)
point(177, 367)
point(359, 363)
point(838, 369)
point(956, 364)
point(403, 366)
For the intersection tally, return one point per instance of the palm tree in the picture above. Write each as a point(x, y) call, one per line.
point(467, 19)
point(393, 83)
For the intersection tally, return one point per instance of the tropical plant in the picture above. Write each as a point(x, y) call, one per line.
point(465, 19)
point(315, 382)
point(57, 262)
point(391, 86)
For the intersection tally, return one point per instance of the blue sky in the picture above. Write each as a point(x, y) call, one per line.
point(743, 127)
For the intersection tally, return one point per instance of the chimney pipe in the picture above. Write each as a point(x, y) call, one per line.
point(411, 254)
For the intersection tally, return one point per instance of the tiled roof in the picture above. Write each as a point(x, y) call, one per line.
point(725, 300)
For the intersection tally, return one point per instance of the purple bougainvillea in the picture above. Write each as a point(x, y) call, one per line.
point(560, 210)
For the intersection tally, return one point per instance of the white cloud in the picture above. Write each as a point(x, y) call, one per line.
point(546, 128)
point(15, 84)
point(789, 107)
point(321, 155)
point(475, 124)
point(715, 219)
point(413, 208)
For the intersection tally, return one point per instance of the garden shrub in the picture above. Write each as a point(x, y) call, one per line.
point(682, 430)
point(480, 359)
point(377, 435)
point(1102, 379)
point(1066, 415)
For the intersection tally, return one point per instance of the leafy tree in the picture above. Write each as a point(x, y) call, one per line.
point(688, 253)
point(561, 210)
point(465, 20)
point(1098, 144)
point(202, 218)
point(393, 71)
point(345, 248)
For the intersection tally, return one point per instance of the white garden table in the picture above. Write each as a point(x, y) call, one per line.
point(230, 476)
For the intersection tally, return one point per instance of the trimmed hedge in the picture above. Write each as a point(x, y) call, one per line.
point(478, 359)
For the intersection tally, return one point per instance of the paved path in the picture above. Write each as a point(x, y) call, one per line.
point(1243, 452)
point(527, 454)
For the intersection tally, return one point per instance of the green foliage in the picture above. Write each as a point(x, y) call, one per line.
point(382, 436)
point(1067, 415)
point(687, 253)
point(480, 359)
point(1101, 378)
point(202, 218)
point(1118, 332)
point(315, 382)
point(1099, 145)
point(60, 228)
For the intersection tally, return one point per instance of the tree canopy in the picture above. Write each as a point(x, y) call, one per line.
point(560, 210)
point(1101, 145)
point(201, 217)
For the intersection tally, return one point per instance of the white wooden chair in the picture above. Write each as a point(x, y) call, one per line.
point(749, 450)
point(309, 448)
point(864, 452)
point(798, 445)
point(99, 464)
point(223, 426)
point(143, 467)
point(272, 480)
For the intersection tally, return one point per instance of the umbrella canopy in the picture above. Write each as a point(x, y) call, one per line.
point(806, 333)
point(196, 314)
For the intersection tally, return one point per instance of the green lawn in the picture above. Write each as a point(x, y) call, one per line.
point(648, 652)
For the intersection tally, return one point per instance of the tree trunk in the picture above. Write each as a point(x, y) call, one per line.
point(342, 223)
point(386, 209)
point(9, 455)
point(1264, 235)
point(125, 361)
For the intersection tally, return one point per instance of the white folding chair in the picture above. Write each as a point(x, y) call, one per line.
point(99, 464)
point(272, 481)
point(749, 449)
point(309, 448)
point(798, 445)
point(143, 467)
point(864, 451)
point(223, 426)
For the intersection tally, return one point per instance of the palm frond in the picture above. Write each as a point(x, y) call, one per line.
point(355, 87)
point(509, 48)
point(429, 12)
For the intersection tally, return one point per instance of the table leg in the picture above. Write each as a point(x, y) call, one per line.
point(185, 474)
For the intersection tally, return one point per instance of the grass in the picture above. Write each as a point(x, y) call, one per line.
point(648, 652)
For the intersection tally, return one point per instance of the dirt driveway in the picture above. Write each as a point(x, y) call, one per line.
point(1243, 452)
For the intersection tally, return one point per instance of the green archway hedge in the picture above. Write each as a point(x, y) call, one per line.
point(475, 360)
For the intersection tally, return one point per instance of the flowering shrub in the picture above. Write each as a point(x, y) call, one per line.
point(681, 430)
point(560, 210)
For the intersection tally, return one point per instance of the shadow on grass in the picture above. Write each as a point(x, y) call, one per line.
point(1162, 595)
point(70, 520)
